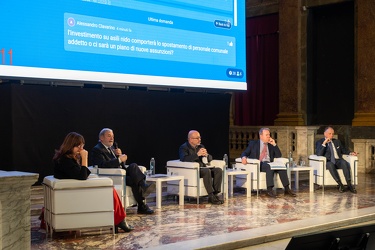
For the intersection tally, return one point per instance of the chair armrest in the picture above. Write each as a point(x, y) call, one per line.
point(351, 159)
point(143, 169)
point(249, 160)
point(111, 171)
point(317, 158)
point(217, 163)
point(182, 164)
point(282, 160)
point(318, 163)
point(93, 170)
point(55, 183)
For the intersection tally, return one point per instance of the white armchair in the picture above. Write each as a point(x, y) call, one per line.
point(253, 165)
point(322, 175)
point(75, 204)
point(194, 186)
point(118, 177)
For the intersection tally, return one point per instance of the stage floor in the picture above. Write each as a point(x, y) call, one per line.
point(238, 223)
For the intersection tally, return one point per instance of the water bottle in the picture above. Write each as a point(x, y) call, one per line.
point(96, 170)
point(152, 166)
point(225, 159)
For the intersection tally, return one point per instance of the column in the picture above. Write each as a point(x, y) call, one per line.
point(292, 64)
point(365, 60)
point(15, 192)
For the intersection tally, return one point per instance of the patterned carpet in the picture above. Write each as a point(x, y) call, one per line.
point(237, 220)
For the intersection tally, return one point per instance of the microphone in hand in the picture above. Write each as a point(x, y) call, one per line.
point(204, 156)
point(116, 150)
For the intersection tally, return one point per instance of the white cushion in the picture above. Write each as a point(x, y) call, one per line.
point(182, 164)
point(72, 183)
point(249, 160)
point(111, 171)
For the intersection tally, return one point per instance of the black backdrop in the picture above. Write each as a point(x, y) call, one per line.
point(36, 118)
point(330, 86)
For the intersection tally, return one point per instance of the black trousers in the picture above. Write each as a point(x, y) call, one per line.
point(264, 167)
point(341, 164)
point(136, 179)
point(212, 178)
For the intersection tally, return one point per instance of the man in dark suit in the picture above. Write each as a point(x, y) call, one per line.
point(333, 150)
point(265, 149)
point(194, 151)
point(106, 154)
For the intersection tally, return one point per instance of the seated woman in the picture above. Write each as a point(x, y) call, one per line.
point(71, 163)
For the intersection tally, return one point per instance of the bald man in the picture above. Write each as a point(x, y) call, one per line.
point(194, 151)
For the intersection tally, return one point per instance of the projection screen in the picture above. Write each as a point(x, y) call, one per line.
point(174, 43)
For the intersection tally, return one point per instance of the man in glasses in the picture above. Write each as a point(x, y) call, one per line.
point(194, 151)
point(266, 150)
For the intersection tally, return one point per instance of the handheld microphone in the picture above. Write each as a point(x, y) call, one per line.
point(115, 146)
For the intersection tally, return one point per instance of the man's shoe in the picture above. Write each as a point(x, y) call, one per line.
point(271, 194)
point(342, 188)
point(148, 189)
point(212, 199)
point(218, 198)
point(145, 210)
point(289, 192)
point(352, 189)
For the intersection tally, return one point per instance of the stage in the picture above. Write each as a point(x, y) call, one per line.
point(238, 223)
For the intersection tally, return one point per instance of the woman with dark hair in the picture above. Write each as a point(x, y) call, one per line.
point(71, 163)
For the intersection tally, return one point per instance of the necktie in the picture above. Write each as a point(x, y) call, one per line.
point(111, 152)
point(264, 152)
point(333, 160)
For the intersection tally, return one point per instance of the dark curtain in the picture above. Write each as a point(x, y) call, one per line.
point(259, 105)
point(36, 118)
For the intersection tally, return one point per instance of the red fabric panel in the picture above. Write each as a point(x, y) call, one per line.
point(119, 211)
point(259, 105)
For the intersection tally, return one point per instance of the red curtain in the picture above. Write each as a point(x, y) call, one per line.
point(259, 105)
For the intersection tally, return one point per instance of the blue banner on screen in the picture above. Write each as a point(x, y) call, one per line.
point(175, 43)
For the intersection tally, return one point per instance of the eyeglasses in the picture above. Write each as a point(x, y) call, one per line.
point(197, 138)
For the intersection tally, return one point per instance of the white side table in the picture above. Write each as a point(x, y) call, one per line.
point(159, 178)
point(296, 171)
point(229, 177)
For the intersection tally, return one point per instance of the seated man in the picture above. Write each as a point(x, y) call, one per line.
point(194, 151)
point(334, 153)
point(265, 149)
point(106, 155)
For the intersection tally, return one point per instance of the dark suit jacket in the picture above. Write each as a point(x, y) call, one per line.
point(326, 151)
point(189, 154)
point(103, 158)
point(253, 151)
point(68, 168)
